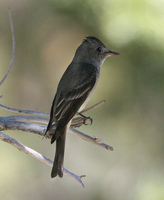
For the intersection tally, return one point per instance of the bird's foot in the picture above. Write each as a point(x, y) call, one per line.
point(87, 120)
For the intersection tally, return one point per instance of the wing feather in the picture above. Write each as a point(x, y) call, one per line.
point(73, 99)
point(67, 103)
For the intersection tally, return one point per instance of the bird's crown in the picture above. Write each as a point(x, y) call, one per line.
point(93, 40)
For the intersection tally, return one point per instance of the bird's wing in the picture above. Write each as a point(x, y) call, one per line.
point(66, 104)
point(70, 102)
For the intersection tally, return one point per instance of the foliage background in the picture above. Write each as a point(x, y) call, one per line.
point(47, 35)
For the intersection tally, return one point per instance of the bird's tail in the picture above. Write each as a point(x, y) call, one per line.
point(59, 136)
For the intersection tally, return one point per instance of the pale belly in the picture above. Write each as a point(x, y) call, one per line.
point(90, 95)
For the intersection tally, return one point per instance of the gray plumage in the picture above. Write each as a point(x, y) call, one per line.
point(74, 90)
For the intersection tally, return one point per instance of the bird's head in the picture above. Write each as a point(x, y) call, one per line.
point(92, 50)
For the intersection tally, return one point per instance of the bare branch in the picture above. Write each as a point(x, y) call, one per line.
point(97, 141)
point(14, 44)
point(94, 106)
point(37, 155)
point(33, 112)
point(8, 123)
point(35, 119)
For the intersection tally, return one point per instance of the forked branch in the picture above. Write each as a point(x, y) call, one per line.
point(20, 123)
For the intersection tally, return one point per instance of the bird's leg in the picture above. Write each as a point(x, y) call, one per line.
point(86, 118)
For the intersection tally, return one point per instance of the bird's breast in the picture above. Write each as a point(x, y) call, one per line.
point(90, 94)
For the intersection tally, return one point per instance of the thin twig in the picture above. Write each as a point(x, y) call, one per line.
point(97, 141)
point(94, 106)
point(37, 155)
point(13, 49)
point(34, 119)
point(31, 112)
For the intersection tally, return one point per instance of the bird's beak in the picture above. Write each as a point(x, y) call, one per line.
point(111, 53)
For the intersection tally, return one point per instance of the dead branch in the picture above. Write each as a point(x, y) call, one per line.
point(22, 123)
point(13, 53)
point(93, 107)
point(37, 155)
point(31, 112)
point(11, 123)
point(97, 141)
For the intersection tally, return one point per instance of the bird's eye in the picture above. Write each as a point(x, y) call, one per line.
point(99, 49)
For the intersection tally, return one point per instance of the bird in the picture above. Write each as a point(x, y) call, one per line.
point(74, 90)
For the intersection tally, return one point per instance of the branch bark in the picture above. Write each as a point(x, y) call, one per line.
point(37, 155)
point(20, 123)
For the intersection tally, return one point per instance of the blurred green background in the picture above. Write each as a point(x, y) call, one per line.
point(47, 35)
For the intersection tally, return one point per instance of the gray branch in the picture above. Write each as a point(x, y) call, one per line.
point(37, 155)
point(22, 123)
point(30, 112)
point(13, 53)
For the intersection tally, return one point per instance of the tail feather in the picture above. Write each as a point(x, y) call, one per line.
point(60, 127)
point(57, 133)
point(59, 155)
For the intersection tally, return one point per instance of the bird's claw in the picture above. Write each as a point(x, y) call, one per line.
point(86, 119)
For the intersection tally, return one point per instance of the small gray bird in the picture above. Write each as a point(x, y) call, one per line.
point(74, 91)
